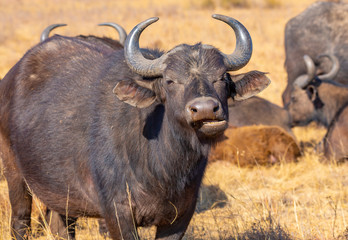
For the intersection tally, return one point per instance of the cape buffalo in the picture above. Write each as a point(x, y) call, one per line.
point(324, 101)
point(258, 111)
point(54, 220)
point(91, 38)
point(321, 29)
point(256, 145)
point(118, 134)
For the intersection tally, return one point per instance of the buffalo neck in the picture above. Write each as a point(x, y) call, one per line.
point(335, 97)
point(173, 155)
point(160, 153)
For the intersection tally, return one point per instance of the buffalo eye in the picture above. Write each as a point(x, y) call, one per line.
point(293, 99)
point(170, 82)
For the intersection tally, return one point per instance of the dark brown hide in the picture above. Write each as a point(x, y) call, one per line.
point(258, 111)
point(336, 139)
point(57, 222)
point(331, 112)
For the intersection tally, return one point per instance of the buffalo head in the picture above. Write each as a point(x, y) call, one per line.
point(308, 97)
point(196, 76)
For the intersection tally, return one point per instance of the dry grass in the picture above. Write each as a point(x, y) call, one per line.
point(304, 200)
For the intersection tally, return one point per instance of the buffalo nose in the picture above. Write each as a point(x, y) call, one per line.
point(204, 108)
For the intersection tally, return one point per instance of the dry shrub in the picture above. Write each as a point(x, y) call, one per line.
point(226, 4)
point(262, 145)
point(273, 3)
point(227, 224)
point(265, 230)
point(234, 3)
point(344, 235)
point(229, 4)
point(207, 4)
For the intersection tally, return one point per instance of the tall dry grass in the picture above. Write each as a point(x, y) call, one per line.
point(304, 200)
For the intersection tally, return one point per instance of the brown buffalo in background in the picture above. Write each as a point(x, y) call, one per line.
point(106, 41)
point(256, 145)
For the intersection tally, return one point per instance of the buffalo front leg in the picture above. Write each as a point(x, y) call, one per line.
point(177, 229)
point(60, 225)
point(120, 223)
point(20, 197)
point(21, 200)
point(103, 230)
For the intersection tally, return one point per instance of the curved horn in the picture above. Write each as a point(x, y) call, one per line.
point(135, 59)
point(121, 32)
point(244, 47)
point(46, 31)
point(304, 79)
point(334, 69)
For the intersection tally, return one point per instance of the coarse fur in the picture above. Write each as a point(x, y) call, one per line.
point(320, 29)
point(57, 222)
point(113, 44)
point(336, 139)
point(325, 102)
point(258, 111)
point(86, 151)
point(256, 145)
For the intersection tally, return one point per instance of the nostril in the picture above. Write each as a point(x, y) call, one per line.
point(216, 109)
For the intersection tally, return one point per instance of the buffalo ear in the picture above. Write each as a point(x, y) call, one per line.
point(133, 94)
point(248, 84)
point(312, 92)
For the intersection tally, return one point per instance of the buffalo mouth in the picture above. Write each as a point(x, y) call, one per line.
point(211, 128)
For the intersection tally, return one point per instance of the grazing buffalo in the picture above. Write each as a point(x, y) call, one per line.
point(324, 101)
point(258, 111)
point(321, 29)
point(118, 134)
point(91, 38)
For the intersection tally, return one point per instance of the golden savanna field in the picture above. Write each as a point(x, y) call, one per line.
point(303, 200)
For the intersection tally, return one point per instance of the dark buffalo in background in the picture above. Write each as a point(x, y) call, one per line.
point(114, 44)
point(258, 111)
point(55, 221)
point(122, 135)
point(321, 29)
point(323, 101)
point(335, 142)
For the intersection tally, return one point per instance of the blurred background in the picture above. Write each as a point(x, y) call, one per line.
point(181, 21)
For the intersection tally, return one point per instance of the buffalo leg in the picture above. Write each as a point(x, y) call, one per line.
point(20, 197)
point(177, 229)
point(21, 201)
point(60, 225)
point(174, 231)
point(120, 223)
point(103, 230)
